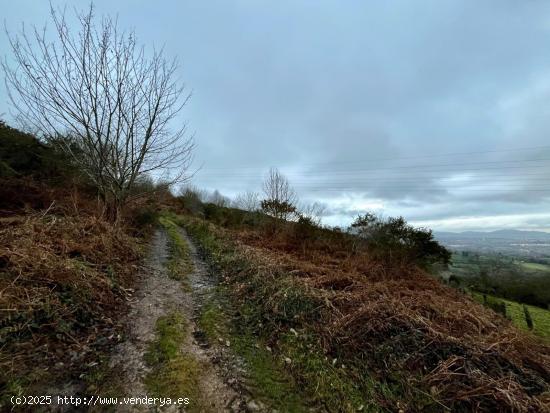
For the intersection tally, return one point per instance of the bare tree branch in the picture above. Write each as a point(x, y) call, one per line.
point(280, 199)
point(248, 201)
point(98, 87)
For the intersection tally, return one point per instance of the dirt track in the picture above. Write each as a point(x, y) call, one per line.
point(158, 295)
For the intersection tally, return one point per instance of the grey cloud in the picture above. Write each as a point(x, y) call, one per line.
point(352, 100)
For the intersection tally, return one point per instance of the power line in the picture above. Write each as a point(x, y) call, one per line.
point(517, 176)
point(407, 157)
point(431, 189)
point(438, 179)
point(441, 167)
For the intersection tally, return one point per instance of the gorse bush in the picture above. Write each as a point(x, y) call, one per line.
point(305, 226)
point(23, 155)
point(394, 239)
point(36, 174)
point(146, 216)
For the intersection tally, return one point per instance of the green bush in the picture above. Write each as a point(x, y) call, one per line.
point(393, 239)
point(22, 154)
point(145, 216)
point(278, 209)
point(230, 217)
point(305, 230)
point(528, 318)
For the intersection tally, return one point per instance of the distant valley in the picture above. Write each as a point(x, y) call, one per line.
point(531, 245)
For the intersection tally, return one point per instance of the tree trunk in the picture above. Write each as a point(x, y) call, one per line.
point(114, 211)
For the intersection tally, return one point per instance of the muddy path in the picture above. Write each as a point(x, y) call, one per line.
point(157, 295)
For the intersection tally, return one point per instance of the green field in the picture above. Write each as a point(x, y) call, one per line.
point(533, 266)
point(514, 310)
point(470, 264)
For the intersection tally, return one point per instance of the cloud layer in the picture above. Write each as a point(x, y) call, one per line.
point(437, 111)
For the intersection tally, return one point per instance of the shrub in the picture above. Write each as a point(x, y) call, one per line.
point(191, 201)
point(305, 229)
point(21, 154)
point(528, 319)
point(278, 209)
point(228, 217)
point(145, 216)
point(394, 239)
point(497, 306)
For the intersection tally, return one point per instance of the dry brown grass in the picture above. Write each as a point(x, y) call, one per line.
point(63, 278)
point(403, 323)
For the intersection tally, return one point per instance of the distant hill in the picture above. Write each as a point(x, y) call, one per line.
point(508, 234)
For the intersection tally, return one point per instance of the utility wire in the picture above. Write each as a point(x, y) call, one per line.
point(406, 158)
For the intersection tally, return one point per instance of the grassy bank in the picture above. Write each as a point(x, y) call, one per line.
point(65, 279)
point(533, 266)
point(349, 333)
point(272, 330)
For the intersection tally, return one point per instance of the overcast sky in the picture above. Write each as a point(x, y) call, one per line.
point(438, 111)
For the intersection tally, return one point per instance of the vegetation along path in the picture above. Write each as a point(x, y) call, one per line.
point(164, 355)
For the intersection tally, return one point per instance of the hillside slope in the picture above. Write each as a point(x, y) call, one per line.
point(290, 317)
point(361, 334)
point(65, 274)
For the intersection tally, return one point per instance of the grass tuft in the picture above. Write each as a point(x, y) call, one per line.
point(173, 374)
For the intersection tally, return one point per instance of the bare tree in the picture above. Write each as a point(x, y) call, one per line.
point(280, 199)
point(248, 201)
point(192, 198)
point(114, 105)
point(277, 187)
point(314, 212)
point(191, 190)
